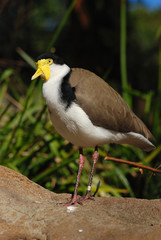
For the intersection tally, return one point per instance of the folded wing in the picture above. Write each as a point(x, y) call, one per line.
point(104, 106)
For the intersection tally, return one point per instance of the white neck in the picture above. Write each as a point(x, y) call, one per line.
point(52, 85)
point(58, 71)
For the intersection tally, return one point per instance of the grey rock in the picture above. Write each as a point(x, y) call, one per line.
point(30, 212)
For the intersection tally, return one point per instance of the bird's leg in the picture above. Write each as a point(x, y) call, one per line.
point(95, 159)
point(81, 164)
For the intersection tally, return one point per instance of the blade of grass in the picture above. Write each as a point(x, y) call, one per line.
point(3, 92)
point(115, 191)
point(123, 65)
point(26, 57)
point(62, 24)
point(6, 74)
point(124, 181)
point(153, 154)
point(5, 110)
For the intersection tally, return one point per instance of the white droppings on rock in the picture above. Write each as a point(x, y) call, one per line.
point(37, 201)
point(71, 208)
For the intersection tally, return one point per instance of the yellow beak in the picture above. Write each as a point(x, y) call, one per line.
point(43, 70)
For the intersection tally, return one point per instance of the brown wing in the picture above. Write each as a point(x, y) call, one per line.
point(104, 106)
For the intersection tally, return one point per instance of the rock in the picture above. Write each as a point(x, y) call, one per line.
point(30, 212)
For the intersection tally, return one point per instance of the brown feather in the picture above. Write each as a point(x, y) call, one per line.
point(104, 106)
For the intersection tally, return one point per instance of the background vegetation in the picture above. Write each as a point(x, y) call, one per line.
point(118, 41)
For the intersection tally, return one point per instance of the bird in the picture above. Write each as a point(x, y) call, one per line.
point(88, 112)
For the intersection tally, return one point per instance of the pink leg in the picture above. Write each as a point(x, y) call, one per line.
point(81, 164)
point(95, 159)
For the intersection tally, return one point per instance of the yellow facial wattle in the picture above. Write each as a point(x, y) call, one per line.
point(43, 69)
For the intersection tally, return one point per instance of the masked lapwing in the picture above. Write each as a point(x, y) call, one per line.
point(87, 112)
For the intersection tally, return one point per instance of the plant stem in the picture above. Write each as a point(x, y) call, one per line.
point(140, 166)
point(123, 65)
point(62, 23)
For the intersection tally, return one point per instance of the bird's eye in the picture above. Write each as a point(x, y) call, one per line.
point(50, 61)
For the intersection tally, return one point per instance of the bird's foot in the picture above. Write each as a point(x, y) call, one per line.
point(71, 202)
point(86, 197)
point(79, 201)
